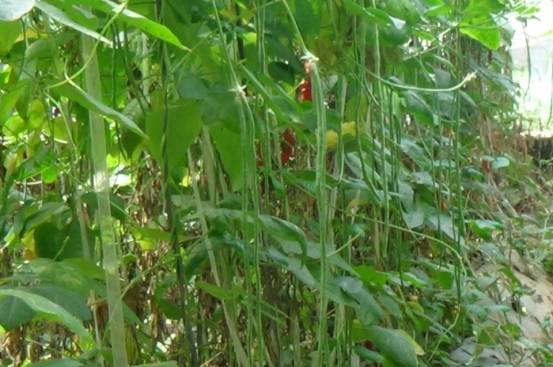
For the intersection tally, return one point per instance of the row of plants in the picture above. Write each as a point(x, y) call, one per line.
point(255, 182)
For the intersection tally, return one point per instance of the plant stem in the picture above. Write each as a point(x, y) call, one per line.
point(100, 181)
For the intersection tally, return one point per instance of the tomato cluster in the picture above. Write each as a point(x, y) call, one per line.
point(288, 137)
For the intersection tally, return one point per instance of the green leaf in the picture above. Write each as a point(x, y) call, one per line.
point(43, 214)
point(158, 364)
point(395, 345)
point(117, 205)
point(14, 312)
point(307, 17)
point(414, 216)
point(484, 228)
point(15, 9)
point(369, 275)
point(227, 144)
point(500, 162)
point(86, 268)
point(9, 31)
point(416, 105)
point(184, 125)
point(368, 355)
point(220, 293)
point(61, 17)
point(9, 100)
point(284, 230)
point(489, 36)
point(69, 300)
point(57, 363)
point(133, 19)
point(370, 311)
point(443, 223)
point(49, 240)
point(293, 265)
point(76, 94)
point(478, 23)
point(415, 152)
point(76, 277)
point(373, 15)
point(50, 311)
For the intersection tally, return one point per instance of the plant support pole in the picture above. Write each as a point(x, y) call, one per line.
point(103, 214)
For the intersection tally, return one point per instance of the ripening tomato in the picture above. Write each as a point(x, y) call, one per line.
point(288, 142)
point(486, 166)
point(305, 90)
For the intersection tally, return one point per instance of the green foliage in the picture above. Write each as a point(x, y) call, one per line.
point(286, 183)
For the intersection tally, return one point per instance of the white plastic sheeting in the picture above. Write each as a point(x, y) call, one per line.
point(535, 78)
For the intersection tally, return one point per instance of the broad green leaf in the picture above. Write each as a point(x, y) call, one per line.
point(443, 223)
point(61, 17)
point(50, 311)
point(133, 19)
point(307, 16)
point(284, 230)
point(414, 216)
point(220, 293)
point(395, 345)
point(417, 106)
point(44, 214)
point(76, 277)
point(227, 144)
point(9, 100)
point(69, 300)
point(484, 228)
point(191, 86)
point(370, 311)
point(158, 364)
point(15, 9)
point(314, 252)
point(49, 240)
point(14, 312)
point(76, 94)
point(162, 301)
point(500, 162)
point(415, 152)
point(479, 24)
point(9, 31)
point(85, 267)
point(369, 275)
point(368, 355)
point(117, 205)
point(489, 36)
point(184, 125)
point(373, 15)
point(57, 363)
point(294, 266)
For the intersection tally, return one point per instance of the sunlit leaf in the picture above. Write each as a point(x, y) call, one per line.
point(64, 19)
point(74, 93)
point(132, 18)
point(51, 311)
point(395, 345)
point(15, 9)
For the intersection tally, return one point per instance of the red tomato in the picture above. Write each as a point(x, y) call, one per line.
point(288, 142)
point(305, 90)
point(369, 345)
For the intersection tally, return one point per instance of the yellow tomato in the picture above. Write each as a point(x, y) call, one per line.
point(348, 128)
point(29, 252)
